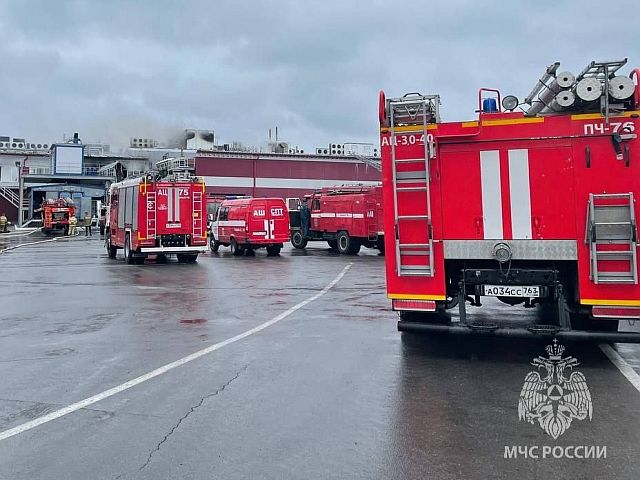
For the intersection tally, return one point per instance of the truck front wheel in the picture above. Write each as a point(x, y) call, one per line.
point(297, 240)
point(214, 245)
point(347, 245)
point(111, 250)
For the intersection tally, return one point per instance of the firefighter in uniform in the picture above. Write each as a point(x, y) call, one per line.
point(3, 223)
point(73, 221)
point(305, 218)
point(87, 224)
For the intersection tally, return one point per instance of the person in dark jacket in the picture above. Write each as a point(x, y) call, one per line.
point(305, 218)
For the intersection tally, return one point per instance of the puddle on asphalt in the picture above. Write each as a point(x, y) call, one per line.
point(193, 321)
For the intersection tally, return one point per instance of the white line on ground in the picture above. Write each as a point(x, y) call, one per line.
point(166, 368)
point(621, 365)
point(8, 249)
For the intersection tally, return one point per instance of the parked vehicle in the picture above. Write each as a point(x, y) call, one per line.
point(158, 214)
point(56, 214)
point(247, 224)
point(534, 207)
point(346, 217)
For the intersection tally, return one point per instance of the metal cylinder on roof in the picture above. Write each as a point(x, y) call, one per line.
point(589, 89)
point(563, 80)
point(562, 100)
point(621, 88)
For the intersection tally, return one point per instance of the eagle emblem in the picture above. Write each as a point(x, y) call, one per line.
point(557, 396)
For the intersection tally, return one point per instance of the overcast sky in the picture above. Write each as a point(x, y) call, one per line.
point(118, 69)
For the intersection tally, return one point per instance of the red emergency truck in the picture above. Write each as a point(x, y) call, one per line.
point(534, 206)
point(246, 224)
point(346, 217)
point(56, 214)
point(161, 213)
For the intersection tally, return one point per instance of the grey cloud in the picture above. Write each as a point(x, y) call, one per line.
point(117, 69)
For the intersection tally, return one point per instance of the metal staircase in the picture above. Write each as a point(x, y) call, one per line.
point(411, 184)
point(612, 237)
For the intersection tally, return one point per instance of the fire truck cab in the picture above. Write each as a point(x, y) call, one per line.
point(346, 217)
point(161, 213)
point(246, 224)
point(535, 209)
point(56, 214)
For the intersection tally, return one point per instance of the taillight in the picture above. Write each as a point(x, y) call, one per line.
point(616, 312)
point(414, 305)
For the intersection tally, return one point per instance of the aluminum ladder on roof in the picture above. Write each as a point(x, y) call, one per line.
point(612, 238)
point(411, 185)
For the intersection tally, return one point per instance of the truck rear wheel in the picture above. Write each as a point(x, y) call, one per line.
point(111, 250)
point(347, 245)
point(273, 250)
point(187, 257)
point(128, 254)
point(297, 240)
point(236, 250)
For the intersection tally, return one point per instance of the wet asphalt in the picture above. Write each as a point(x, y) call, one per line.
point(330, 391)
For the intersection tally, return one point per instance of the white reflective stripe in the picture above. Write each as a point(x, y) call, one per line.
point(358, 215)
point(169, 204)
point(260, 234)
point(231, 223)
point(328, 215)
point(297, 183)
point(266, 228)
point(176, 192)
point(272, 229)
point(520, 193)
point(315, 215)
point(491, 194)
point(343, 215)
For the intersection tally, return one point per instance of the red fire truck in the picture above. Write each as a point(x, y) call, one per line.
point(56, 214)
point(247, 224)
point(161, 213)
point(535, 207)
point(346, 217)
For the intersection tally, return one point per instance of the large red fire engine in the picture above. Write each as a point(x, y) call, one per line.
point(346, 217)
point(534, 208)
point(246, 224)
point(160, 213)
point(56, 214)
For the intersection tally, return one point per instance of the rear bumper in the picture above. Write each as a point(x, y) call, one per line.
point(573, 335)
point(193, 249)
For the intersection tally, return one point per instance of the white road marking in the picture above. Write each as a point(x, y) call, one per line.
point(8, 249)
point(166, 368)
point(621, 365)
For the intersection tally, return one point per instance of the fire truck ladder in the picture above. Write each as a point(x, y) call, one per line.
point(151, 214)
point(612, 237)
point(197, 214)
point(411, 175)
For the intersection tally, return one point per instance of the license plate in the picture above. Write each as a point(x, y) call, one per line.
point(511, 291)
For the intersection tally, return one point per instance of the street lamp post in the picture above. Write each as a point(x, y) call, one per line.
point(19, 165)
